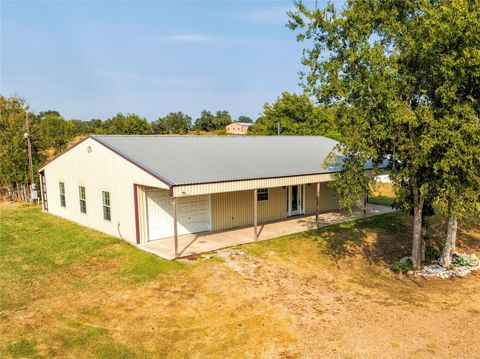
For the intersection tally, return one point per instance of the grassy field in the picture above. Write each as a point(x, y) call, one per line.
point(66, 291)
point(383, 194)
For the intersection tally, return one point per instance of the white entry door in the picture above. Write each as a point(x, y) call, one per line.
point(193, 214)
point(296, 205)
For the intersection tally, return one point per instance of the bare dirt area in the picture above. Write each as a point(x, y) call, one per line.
point(359, 309)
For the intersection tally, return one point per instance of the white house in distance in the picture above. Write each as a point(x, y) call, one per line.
point(148, 188)
point(238, 128)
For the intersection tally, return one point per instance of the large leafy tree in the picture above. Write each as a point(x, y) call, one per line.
point(13, 146)
point(296, 115)
point(175, 122)
point(51, 131)
point(458, 172)
point(450, 37)
point(129, 124)
point(211, 122)
point(244, 119)
point(379, 62)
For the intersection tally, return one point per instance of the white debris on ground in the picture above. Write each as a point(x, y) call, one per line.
point(238, 260)
point(436, 270)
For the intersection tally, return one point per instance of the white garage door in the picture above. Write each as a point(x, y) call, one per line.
point(193, 214)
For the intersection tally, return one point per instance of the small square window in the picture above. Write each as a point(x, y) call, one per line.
point(262, 194)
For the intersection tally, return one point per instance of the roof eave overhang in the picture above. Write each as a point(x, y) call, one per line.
point(248, 184)
point(196, 189)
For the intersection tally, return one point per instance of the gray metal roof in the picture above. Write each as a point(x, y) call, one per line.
point(242, 123)
point(180, 160)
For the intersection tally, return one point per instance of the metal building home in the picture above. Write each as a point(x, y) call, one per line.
point(145, 189)
point(238, 128)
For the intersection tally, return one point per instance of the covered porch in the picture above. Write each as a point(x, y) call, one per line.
point(192, 244)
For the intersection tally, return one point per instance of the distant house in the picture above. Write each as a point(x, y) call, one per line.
point(238, 128)
point(147, 188)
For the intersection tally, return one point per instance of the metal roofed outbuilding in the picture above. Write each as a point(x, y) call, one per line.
point(163, 187)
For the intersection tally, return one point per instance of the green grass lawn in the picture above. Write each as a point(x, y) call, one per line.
point(36, 245)
point(44, 257)
point(71, 292)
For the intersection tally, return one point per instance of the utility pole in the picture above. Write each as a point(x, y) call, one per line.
point(33, 192)
point(278, 128)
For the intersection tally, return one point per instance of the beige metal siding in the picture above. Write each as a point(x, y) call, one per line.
point(232, 209)
point(236, 129)
point(310, 198)
point(235, 209)
point(95, 167)
point(328, 198)
point(276, 206)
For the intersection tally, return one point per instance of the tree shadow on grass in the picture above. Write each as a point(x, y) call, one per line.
point(468, 239)
point(376, 239)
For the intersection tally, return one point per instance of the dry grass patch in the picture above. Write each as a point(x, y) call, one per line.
point(382, 193)
point(383, 189)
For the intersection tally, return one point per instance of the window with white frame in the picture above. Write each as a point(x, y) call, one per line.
point(262, 194)
point(106, 206)
point(61, 186)
point(83, 201)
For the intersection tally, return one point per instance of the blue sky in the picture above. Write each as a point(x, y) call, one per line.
point(92, 59)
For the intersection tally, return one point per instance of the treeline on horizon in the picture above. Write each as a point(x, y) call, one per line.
point(51, 133)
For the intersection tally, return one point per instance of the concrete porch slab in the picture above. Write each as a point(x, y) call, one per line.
point(192, 244)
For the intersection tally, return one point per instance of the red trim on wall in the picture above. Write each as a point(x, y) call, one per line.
point(43, 187)
point(137, 224)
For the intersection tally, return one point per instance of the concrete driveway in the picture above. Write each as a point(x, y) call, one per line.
point(192, 244)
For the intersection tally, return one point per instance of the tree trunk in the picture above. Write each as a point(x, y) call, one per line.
point(454, 235)
point(450, 239)
point(417, 245)
point(423, 245)
point(424, 237)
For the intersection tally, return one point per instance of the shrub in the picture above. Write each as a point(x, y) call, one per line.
point(462, 260)
point(432, 254)
point(404, 265)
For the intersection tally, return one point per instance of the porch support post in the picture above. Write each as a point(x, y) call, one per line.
point(255, 210)
point(317, 196)
point(175, 229)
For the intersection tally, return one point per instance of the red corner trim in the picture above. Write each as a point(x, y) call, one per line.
point(137, 224)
